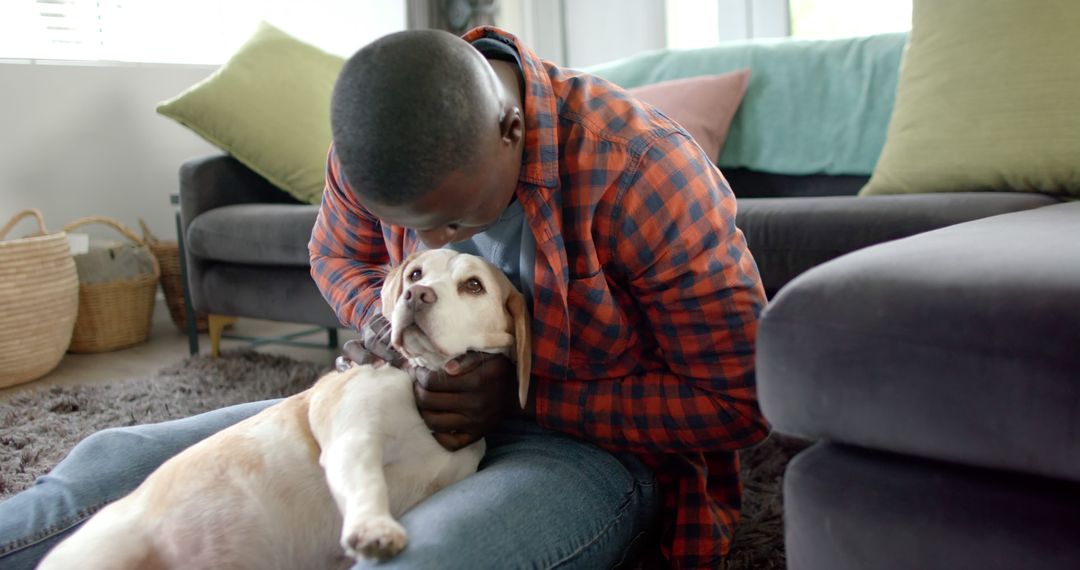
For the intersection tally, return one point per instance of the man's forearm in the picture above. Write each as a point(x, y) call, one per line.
point(653, 413)
point(350, 287)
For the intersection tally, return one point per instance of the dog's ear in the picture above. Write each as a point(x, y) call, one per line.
point(392, 286)
point(515, 305)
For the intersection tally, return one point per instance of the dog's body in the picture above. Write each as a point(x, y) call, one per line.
point(319, 478)
point(256, 496)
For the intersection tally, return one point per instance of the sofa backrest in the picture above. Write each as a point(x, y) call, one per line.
point(811, 107)
point(754, 184)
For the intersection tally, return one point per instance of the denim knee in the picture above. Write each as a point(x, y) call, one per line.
point(102, 468)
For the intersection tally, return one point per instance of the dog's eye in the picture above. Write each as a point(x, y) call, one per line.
point(473, 285)
point(416, 275)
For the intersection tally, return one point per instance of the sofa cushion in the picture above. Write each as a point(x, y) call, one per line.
point(961, 344)
point(787, 236)
point(988, 98)
point(259, 234)
point(268, 106)
point(849, 509)
point(704, 106)
point(286, 294)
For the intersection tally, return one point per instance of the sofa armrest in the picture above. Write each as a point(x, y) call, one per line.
point(958, 344)
point(217, 180)
point(788, 236)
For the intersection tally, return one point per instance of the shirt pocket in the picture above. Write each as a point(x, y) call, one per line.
point(599, 333)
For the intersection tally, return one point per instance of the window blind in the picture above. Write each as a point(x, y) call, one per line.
point(182, 31)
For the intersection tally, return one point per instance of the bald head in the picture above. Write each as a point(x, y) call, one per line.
point(409, 109)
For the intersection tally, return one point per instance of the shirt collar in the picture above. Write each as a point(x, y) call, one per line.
point(540, 163)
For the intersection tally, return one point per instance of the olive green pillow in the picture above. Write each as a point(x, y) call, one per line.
point(268, 106)
point(988, 99)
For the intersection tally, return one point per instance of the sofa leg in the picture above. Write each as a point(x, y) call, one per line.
point(217, 324)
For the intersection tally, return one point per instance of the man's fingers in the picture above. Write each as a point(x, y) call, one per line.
point(446, 422)
point(375, 337)
point(440, 381)
point(466, 363)
point(377, 329)
point(353, 350)
point(369, 358)
point(445, 401)
point(384, 352)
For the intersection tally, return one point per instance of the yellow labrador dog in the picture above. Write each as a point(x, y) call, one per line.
point(319, 479)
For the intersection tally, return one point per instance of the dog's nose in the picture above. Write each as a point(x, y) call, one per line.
point(420, 297)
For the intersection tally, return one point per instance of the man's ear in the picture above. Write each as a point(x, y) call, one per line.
point(512, 125)
point(515, 305)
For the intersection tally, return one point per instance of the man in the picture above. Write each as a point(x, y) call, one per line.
point(645, 299)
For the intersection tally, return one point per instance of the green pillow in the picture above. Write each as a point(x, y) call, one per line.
point(988, 99)
point(268, 106)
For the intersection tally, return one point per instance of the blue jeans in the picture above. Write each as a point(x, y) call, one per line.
point(539, 500)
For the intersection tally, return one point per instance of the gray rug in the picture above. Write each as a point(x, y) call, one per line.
point(38, 428)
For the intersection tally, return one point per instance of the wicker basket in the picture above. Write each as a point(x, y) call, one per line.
point(114, 314)
point(167, 253)
point(39, 293)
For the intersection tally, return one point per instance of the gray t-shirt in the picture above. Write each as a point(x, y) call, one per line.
point(509, 245)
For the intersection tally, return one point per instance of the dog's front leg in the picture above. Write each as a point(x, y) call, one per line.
point(354, 471)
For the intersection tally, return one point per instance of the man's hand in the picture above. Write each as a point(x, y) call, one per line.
point(372, 347)
point(463, 404)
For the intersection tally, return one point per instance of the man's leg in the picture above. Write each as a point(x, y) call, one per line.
point(539, 500)
point(99, 470)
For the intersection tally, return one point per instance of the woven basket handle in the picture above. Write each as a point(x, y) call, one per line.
point(148, 236)
point(118, 227)
point(30, 212)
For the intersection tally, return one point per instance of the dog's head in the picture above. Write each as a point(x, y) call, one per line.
point(442, 304)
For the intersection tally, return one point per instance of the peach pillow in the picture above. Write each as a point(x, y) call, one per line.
point(704, 105)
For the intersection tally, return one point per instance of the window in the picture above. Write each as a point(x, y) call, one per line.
point(702, 23)
point(844, 18)
point(183, 31)
point(692, 23)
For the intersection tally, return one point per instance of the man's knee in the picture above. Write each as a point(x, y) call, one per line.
point(114, 447)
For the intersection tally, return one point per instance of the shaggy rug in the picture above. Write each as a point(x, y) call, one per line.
point(38, 428)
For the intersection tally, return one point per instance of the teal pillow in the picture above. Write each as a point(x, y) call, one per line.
point(269, 107)
point(811, 106)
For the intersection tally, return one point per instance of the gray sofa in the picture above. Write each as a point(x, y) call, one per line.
point(940, 375)
point(245, 247)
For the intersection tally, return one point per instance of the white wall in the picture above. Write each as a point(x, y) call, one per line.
point(85, 140)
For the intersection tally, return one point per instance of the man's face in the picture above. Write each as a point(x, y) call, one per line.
point(468, 201)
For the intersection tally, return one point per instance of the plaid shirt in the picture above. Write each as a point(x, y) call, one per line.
point(646, 297)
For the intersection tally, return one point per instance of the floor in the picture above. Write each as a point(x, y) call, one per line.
point(167, 344)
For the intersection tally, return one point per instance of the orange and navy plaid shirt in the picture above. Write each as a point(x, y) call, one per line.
point(646, 297)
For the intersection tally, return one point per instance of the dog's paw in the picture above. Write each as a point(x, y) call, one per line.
point(376, 538)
